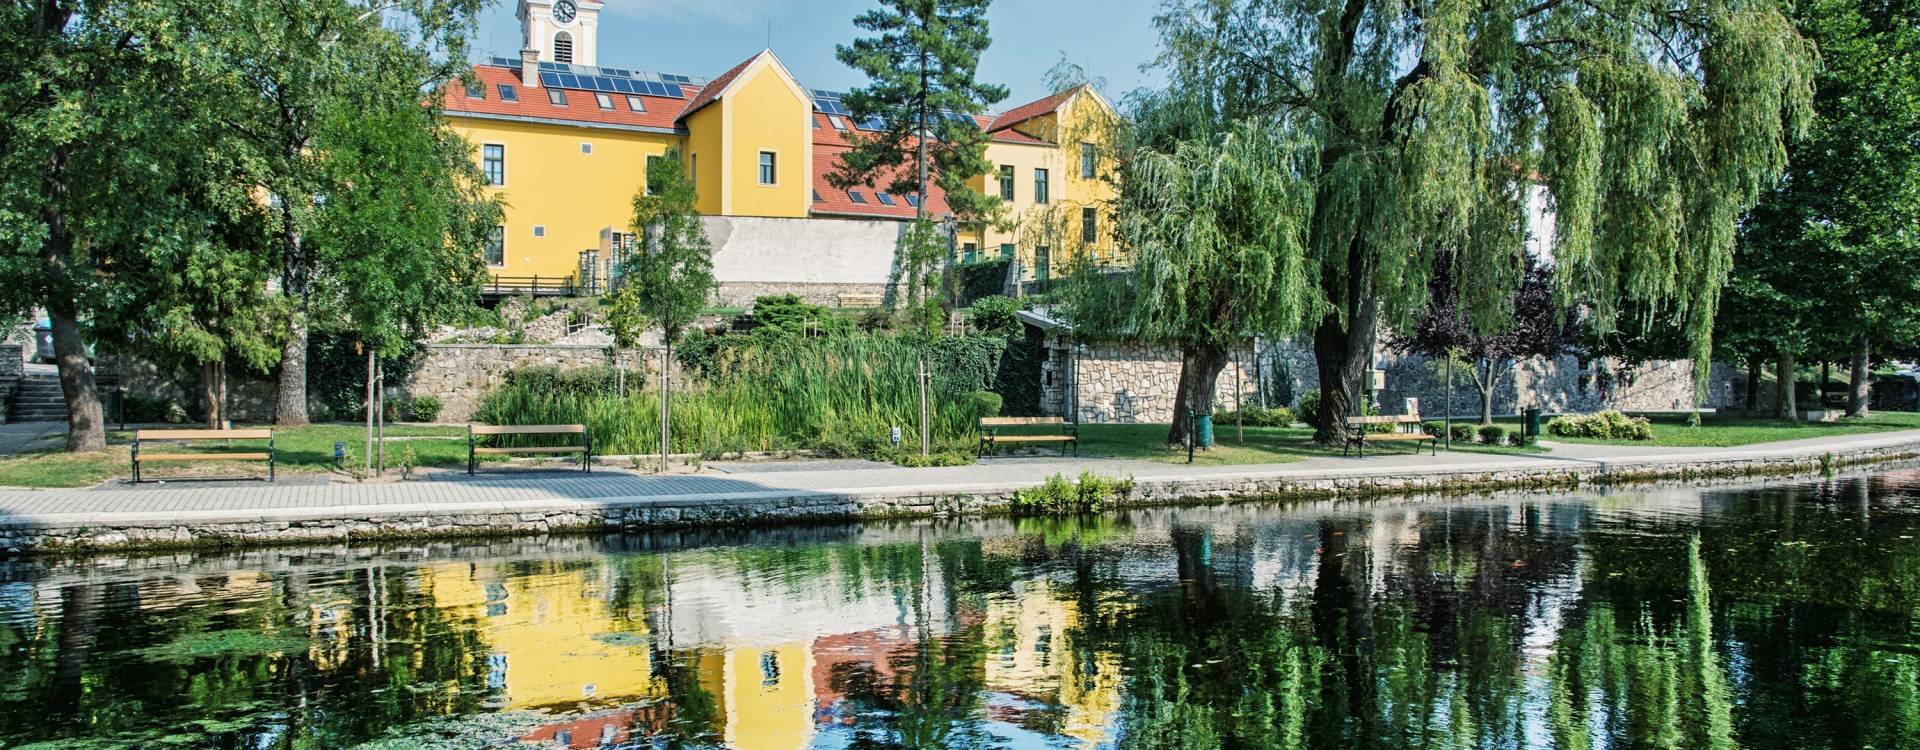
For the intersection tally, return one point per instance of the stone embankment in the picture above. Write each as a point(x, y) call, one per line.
point(550, 505)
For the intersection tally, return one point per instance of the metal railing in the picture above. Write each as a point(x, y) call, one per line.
point(534, 286)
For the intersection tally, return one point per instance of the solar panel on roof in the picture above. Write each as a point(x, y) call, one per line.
point(624, 85)
point(671, 78)
point(873, 123)
point(550, 80)
point(675, 91)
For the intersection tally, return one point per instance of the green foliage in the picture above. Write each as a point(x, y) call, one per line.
point(668, 279)
point(1462, 432)
point(1606, 425)
point(1280, 389)
point(787, 315)
point(337, 372)
point(984, 404)
point(425, 408)
point(979, 280)
point(1018, 379)
point(1254, 416)
point(1310, 408)
point(841, 395)
point(1494, 434)
point(996, 315)
point(919, 65)
point(1062, 496)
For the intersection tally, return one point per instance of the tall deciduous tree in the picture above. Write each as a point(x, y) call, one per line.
point(1214, 232)
point(1652, 125)
point(922, 93)
point(297, 70)
point(1531, 327)
point(89, 136)
point(669, 277)
point(1830, 260)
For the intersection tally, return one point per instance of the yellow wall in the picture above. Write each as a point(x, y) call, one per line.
point(550, 183)
point(545, 626)
point(704, 159)
point(765, 114)
point(776, 716)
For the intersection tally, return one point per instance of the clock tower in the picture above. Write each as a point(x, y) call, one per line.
point(563, 31)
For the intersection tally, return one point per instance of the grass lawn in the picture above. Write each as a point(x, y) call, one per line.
point(1263, 445)
point(1672, 430)
point(298, 450)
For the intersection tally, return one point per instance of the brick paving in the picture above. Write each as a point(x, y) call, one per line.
point(506, 488)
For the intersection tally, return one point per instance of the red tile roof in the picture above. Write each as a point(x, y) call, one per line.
point(834, 201)
point(712, 91)
point(581, 107)
point(1030, 110)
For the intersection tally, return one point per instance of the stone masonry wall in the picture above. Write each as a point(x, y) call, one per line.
point(1127, 382)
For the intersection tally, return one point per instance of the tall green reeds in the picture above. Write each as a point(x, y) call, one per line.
point(842, 395)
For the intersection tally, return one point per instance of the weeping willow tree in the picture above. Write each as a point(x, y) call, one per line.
point(1214, 233)
point(1428, 125)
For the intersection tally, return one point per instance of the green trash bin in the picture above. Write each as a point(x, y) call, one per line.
point(1530, 427)
point(1203, 430)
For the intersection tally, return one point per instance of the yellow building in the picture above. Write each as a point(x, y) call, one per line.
point(566, 143)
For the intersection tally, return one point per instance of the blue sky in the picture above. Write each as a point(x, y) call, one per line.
point(1110, 38)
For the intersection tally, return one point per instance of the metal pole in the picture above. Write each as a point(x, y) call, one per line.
point(1239, 404)
point(366, 458)
point(380, 420)
point(1446, 418)
point(925, 433)
point(1191, 437)
point(666, 382)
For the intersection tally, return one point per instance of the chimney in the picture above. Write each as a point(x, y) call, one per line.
point(530, 67)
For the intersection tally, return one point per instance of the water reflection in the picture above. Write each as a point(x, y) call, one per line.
point(1777, 616)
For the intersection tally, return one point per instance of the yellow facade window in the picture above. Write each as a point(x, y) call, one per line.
point(769, 173)
point(1006, 182)
point(1040, 191)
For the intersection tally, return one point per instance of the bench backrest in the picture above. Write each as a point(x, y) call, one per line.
point(527, 429)
point(1385, 419)
point(1020, 421)
point(256, 434)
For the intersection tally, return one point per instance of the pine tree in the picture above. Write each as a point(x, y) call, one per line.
point(921, 96)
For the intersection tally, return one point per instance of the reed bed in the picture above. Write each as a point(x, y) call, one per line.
point(841, 395)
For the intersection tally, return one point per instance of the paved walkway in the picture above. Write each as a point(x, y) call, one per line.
point(510, 489)
point(20, 437)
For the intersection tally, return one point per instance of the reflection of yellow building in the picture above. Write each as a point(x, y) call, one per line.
point(553, 643)
point(1039, 661)
point(769, 697)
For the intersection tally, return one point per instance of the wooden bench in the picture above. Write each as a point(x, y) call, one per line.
point(141, 437)
point(990, 436)
point(475, 450)
point(1359, 434)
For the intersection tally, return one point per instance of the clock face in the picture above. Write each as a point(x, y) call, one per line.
point(564, 11)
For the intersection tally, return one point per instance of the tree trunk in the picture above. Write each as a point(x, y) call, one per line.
point(1753, 383)
point(1860, 383)
point(1341, 355)
point(290, 405)
point(1783, 397)
point(1200, 367)
point(1483, 381)
point(210, 394)
point(86, 432)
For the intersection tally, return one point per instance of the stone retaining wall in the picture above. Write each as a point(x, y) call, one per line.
point(614, 515)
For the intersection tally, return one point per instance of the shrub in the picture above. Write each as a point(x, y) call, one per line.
point(995, 315)
point(1606, 425)
point(1255, 416)
point(1310, 408)
point(1060, 496)
point(788, 315)
point(1463, 432)
point(1493, 434)
point(1433, 428)
point(984, 404)
point(426, 408)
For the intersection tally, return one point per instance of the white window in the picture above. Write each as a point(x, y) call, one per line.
point(636, 103)
point(493, 160)
point(496, 250)
point(556, 97)
point(769, 175)
point(604, 100)
point(838, 124)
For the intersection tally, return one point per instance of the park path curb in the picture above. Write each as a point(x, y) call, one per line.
point(79, 532)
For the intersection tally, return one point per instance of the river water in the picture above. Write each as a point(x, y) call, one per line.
point(1767, 616)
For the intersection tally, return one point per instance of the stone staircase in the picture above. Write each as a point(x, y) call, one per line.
point(38, 399)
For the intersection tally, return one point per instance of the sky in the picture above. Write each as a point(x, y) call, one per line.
point(1111, 39)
